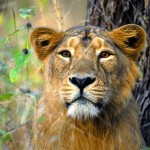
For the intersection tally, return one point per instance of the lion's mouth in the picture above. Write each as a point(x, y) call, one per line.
point(83, 101)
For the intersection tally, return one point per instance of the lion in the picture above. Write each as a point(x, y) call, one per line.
point(89, 75)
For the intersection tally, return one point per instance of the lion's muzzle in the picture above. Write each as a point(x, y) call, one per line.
point(82, 105)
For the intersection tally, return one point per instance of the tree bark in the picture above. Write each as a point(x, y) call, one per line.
point(111, 14)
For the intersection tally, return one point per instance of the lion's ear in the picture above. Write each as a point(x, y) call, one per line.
point(131, 39)
point(44, 40)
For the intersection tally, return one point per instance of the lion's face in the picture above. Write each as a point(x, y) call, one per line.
point(88, 69)
point(86, 72)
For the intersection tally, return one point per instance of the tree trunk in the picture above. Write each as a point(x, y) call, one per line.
point(113, 13)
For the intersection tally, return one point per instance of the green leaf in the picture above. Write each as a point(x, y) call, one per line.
point(13, 74)
point(2, 132)
point(20, 60)
point(8, 137)
point(26, 13)
point(6, 96)
point(5, 135)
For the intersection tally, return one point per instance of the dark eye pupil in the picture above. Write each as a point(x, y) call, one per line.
point(65, 54)
point(104, 55)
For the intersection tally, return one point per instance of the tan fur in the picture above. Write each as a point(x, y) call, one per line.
point(116, 126)
point(43, 34)
point(122, 35)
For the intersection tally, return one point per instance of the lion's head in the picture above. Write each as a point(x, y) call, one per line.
point(89, 71)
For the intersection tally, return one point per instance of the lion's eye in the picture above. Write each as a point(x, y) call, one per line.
point(104, 54)
point(65, 53)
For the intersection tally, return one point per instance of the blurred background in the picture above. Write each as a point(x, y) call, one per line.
point(20, 83)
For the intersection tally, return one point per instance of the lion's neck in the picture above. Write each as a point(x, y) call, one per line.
point(75, 135)
point(63, 133)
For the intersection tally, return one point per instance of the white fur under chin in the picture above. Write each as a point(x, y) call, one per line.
point(82, 111)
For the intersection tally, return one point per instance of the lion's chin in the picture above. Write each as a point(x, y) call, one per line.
point(82, 110)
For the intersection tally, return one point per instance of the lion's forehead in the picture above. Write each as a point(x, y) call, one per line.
point(88, 36)
point(84, 30)
point(95, 42)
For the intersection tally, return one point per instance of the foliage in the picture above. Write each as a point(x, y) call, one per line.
point(21, 59)
point(15, 85)
point(26, 13)
point(20, 86)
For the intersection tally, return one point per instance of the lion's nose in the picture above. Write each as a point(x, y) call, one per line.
point(81, 83)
